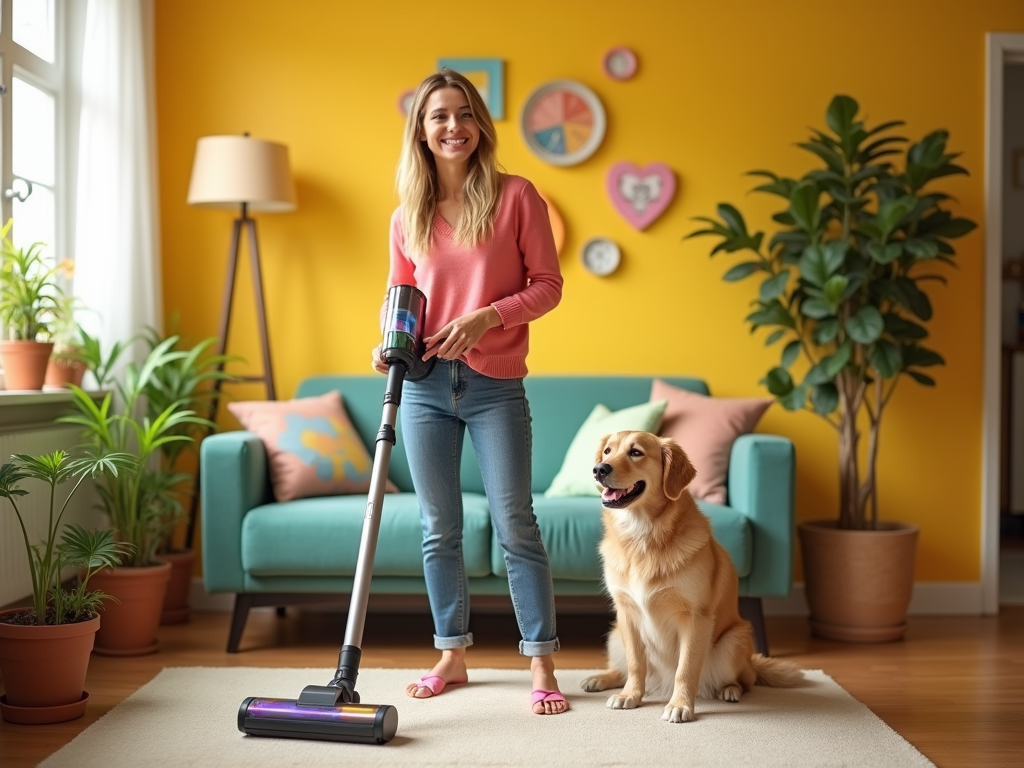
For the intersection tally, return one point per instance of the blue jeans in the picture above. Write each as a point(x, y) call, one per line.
point(435, 413)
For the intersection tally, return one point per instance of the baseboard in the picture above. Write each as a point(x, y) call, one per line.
point(930, 598)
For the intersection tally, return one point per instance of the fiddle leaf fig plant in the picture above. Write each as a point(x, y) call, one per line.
point(843, 280)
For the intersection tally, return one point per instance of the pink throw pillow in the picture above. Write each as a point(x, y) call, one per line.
point(706, 428)
point(312, 447)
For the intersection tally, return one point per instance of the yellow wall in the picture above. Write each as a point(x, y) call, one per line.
point(722, 88)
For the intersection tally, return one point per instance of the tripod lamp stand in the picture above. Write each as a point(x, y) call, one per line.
point(249, 176)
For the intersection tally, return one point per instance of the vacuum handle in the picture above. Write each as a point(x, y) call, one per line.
point(374, 507)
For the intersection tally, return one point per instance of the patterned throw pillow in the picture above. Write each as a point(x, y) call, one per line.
point(312, 447)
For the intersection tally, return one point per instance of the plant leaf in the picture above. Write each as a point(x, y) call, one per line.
point(825, 398)
point(840, 115)
point(742, 270)
point(866, 326)
point(887, 358)
point(774, 286)
point(804, 206)
point(779, 381)
point(790, 353)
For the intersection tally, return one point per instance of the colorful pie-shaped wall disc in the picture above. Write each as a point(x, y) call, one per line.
point(563, 122)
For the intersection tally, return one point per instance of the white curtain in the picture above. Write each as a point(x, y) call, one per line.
point(116, 229)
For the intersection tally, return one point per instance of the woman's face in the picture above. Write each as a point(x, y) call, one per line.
point(449, 128)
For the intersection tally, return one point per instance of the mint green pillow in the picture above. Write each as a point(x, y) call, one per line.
point(576, 477)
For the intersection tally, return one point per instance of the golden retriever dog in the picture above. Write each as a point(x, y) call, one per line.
point(678, 631)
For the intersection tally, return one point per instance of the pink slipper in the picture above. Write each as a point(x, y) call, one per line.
point(541, 695)
point(434, 684)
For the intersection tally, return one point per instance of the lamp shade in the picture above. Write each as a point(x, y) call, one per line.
point(231, 170)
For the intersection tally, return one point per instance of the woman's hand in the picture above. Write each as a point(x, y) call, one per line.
point(378, 365)
point(461, 334)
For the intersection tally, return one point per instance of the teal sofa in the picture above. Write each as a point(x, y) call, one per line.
point(305, 550)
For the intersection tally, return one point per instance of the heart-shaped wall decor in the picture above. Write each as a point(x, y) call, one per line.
point(641, 194)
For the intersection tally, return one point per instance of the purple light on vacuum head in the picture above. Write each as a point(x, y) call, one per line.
point(278, 709)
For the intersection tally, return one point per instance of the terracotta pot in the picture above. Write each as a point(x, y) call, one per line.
point(61, 373)
point(176, 608)
point(858, 583)
point(130, 625)
point(24, 363)
point(44, 669)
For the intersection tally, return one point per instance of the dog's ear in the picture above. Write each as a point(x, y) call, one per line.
point(677, 471)
point(599, 456)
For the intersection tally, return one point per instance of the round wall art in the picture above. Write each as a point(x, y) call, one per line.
point(619, 63)
point(563, 122)
point(600, 256)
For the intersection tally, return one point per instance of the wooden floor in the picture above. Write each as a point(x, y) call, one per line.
point(954, 687)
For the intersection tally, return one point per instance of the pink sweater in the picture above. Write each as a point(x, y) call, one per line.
point(516, 272)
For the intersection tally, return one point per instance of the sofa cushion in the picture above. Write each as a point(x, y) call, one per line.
point(571, 529)
point(576, 477)
point(312, 447)
point(559, 404)
point(706, 428)
point(320, 537)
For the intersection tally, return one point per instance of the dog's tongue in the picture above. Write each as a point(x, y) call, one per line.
point(612, 494)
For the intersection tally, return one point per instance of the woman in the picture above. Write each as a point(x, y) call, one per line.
point(478, 243)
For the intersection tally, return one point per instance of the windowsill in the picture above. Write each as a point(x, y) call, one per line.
point(21, 410)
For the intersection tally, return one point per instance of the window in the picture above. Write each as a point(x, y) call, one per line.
point(31, 75)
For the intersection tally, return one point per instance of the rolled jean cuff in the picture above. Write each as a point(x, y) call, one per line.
point(538, 649)
point(458, 641)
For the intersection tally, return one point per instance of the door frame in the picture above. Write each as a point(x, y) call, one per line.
point(1001, 48)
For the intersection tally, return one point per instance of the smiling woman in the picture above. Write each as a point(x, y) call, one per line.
point(478, 243)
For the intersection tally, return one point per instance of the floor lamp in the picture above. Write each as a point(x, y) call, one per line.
point(250, 176)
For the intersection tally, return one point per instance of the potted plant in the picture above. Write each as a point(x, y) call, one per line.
point(28, 293)
point(133, 500)
point(45, 647)
point(66, 365)
point(842, 283)
point(187, 381)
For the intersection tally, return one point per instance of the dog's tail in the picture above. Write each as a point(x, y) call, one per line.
point(776, 672)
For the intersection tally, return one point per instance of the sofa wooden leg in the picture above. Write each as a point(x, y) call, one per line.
point(750, 609)
point(243, 602)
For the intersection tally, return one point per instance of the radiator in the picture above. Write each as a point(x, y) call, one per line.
point(15, 581)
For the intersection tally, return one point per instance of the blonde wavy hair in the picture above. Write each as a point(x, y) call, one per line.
point(417, 183)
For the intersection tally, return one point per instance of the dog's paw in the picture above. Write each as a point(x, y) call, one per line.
point(609, 678)
point(673, 714)
point(595, 683)
point(619, 701)
point(730, 693)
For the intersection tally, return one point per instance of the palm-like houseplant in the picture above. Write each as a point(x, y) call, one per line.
point(63, 546)
point(188, 381)
point(67, 363)
point(842, 282)
point(135, 501)
point(29, 294)
point(62, 620)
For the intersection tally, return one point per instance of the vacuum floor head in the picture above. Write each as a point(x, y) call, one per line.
point(286, 718)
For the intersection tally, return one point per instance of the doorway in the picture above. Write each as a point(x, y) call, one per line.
point(1002, 551)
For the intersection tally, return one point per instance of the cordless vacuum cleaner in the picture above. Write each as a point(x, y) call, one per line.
point(333, 712)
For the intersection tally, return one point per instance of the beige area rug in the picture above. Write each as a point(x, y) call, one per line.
point(187, 716)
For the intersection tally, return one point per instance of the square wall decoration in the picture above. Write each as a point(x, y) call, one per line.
point(489, 78)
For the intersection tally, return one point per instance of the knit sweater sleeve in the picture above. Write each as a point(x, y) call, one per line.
point(540, 258)
point(402, 271)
